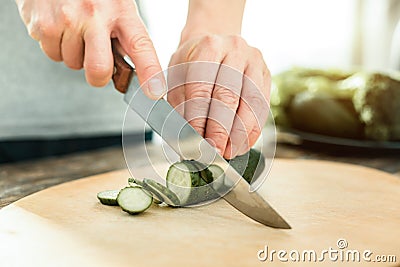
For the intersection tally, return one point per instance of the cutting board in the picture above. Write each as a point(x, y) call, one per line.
point(329, 205)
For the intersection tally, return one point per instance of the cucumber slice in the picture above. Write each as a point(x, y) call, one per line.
point(108, 197)
point(134, 200)
point(163, 193)
point(136, 182)
point(185, 179)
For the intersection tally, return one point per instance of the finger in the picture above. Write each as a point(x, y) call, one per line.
point(205, 59)
point(244, 123)
point(253, 136)
point(176, 83)
point(263, 112)
point(199, 85)
point(25, 11)
point(50, 40)
point(227, 91)
point(98, 59)
point(72, 50)
point(136, 42)
point(252, 112)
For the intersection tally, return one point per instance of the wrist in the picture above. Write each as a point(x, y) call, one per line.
point(220, 17)
point(189, 32)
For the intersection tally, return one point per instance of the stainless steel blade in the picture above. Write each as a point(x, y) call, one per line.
point(185, 141)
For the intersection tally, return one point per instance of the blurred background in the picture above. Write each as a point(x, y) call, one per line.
point(338, 33)
point(47, 109)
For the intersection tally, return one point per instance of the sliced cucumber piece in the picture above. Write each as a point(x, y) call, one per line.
point(108, 197)
point(179, 179)
point(185, 179)
point(161, 192)
point(134, 200)
point(136, 182)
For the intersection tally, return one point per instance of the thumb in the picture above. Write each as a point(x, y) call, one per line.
point(135, 40)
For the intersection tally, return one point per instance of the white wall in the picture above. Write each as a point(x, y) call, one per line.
point(307, 32)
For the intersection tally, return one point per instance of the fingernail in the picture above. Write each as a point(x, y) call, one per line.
point(156, 87)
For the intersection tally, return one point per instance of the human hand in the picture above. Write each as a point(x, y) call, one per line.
point(79, 33)
point(231, 108)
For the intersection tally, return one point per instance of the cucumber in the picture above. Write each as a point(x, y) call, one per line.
point(218, 175)
point(134, 200)
point(249, 165)
point(185, 178)
point(204, 172)
point(161, 192)
point(135, 182)
point(108, 197)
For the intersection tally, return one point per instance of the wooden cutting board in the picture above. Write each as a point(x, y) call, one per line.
point(323, 201)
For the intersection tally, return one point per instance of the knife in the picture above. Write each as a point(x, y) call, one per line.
point(188, 144)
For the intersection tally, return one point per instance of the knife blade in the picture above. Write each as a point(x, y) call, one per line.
point(188, 144)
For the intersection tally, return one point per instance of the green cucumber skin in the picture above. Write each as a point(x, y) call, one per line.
point(218, 179)
point(131, 212)
point(205, 175)
point(108, 201)
point(154, 193)
point(157, 189)
point(135, 182)
point(249, 165)
point(200, 192)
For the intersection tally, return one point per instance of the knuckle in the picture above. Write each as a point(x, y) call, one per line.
point(238, 42)
point(256, 100)
point(140, 43)
point(149, 68)
point(47, 30)
point(198, 125)
point(253, 135)
point(211, 41)
point(227, 96)
point(267, 73)
point(89, 7)
point(66, 16)
point(25, 12)
point(241, 130)
point(199, 90)
point(33, 30)
point(257, 52)
point(218, 135)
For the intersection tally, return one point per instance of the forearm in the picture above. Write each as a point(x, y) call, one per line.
point(213, 17)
